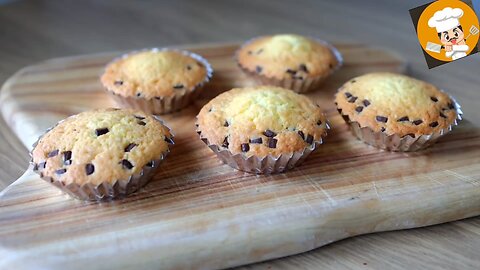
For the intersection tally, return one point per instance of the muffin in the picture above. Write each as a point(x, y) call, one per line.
point(156, 81)
point(263, 129)
point(102, 154)
point(290, 61)
point(396, 112)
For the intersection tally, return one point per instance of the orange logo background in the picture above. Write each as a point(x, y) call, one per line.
point(428, 34)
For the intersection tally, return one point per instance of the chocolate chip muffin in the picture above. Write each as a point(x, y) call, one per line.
point(156, 81)
point(291, 61)
point(263, 129)
point(396, 112)
point(102, 154)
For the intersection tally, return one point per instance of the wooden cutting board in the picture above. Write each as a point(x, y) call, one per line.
point(199, 213)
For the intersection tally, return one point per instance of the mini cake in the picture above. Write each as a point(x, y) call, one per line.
point(102, 154)
point(262, 129)
point(396, 112)
point(290, 61)
point(156, 81)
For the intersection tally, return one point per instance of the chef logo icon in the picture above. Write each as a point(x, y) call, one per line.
point(447, 30)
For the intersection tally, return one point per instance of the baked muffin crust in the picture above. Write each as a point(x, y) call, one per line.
point(261, 121)
point(100, 146)
point(287, 56)
point(154, 74)
point(396, 104)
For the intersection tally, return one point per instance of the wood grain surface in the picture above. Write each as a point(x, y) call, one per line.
point(34, 30)
point(199, 213)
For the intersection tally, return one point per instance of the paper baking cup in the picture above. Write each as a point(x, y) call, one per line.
point(168, 104)
point(395, 142)
point(104, 191)
point(262, 165)
point(299, 86)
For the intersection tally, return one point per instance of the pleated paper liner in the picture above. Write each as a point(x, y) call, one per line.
point(398, 143)
point(263, 165)
point(166, 104)
point(300, 86)
point(105, 191)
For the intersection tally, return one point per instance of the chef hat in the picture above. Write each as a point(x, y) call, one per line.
point(446, 19)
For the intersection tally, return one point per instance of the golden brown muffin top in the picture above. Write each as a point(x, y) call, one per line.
point(100, 146)
point(261, 121)
point(155, 73)
point(282, 56)
point(396, 104)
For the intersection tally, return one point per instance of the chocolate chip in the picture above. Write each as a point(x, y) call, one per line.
point(53, 153)
point(141, 123)
point(225, 142)
point(303, 68)
point(42, 165)
point(210, 110)
point(272, 143)
point(433, 124)
point(126, 164)
point(366, 102)
point(269, 133)
point(309, 139)
point(68, 162)
point(403, 119)
point(158, 98)
point(118, 82)
point(61, 171)
point(302, 135)
point(417, 122)
point(443, 115)
point(347, 94)
point(130, 147)
point(226, 124)
point(89, 168)
point(352, 99)
point(434, 99)
point(258, 69)
point(35, 167)
point(297, 77)
point(359, 109)
point(291, 71)
point(411, 135)
point(381, 118)
point(319, 122)
point(256, 140)
point(139, 94)
point(353, 81)
point(151, 164)
point(245, 147)
point(139, 117)
point(101, 131)
point(169, 140)
point(67, 155)
point(178, 86)
point(451, 106)
point(189, 67)
point(330, 65)
point(382, 129)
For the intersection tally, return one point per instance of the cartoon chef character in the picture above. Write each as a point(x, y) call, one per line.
point(450, 31)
